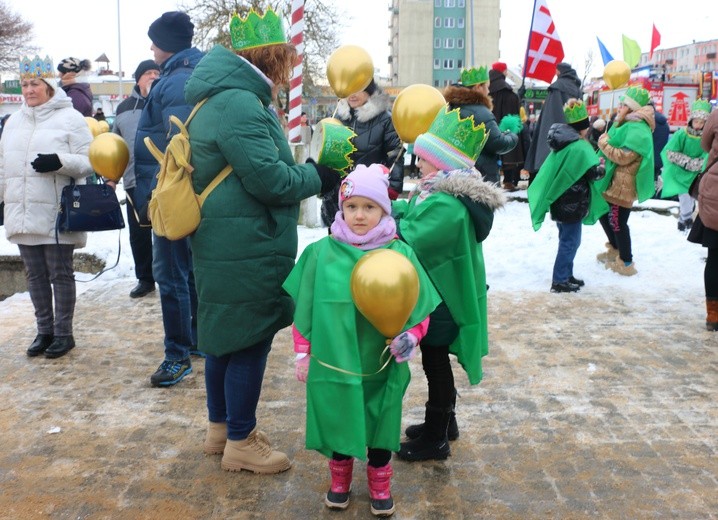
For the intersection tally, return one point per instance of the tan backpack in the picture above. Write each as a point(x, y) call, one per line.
point(175, 209)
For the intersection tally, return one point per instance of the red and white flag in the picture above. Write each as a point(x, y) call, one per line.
point(545, 50)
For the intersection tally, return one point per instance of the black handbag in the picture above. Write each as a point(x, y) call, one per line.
point(89, 207)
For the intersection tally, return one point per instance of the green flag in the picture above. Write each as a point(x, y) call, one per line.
point(631, 51)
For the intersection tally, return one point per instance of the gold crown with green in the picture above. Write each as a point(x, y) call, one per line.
point(473, 76)
point(700, 109)
point(256, 30)
point(575, 111)
point(462, 134)
point(36, 68)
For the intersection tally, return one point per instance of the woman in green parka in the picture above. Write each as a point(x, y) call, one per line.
point(445, 220)
point(246, 242)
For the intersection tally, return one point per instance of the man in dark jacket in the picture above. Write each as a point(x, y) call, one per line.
point(171, 36)
point(127, 117)
point(506, 102)
point(566, 86)
point(660, 138)
point(471, 95)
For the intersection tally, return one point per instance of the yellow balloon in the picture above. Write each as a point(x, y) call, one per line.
point(109, 156)
point(104, 126)
point(616, 74)
point(385, 289)
point(94, 126)
point(414, 110)
point(349, 70)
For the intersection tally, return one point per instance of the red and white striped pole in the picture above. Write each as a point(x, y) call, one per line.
point(295, 84)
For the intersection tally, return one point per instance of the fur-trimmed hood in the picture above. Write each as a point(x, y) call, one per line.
point(458, 95)
point(377, 103)
point(471, 187)
point(647, 114)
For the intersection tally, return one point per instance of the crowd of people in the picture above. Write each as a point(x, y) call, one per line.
point(229, 288)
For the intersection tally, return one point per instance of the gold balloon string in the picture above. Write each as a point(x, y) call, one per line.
point(348, 372)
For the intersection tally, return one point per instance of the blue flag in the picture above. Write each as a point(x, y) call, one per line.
point(605, 55)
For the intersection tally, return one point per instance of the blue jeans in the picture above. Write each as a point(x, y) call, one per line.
point(172, 270)
point(569, 238)
point(234, 382)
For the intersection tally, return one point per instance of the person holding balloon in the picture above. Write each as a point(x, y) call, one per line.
point(346, 330)
point(44, 149)
point(445, 220)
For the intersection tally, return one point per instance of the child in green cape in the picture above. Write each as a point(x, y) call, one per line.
point(562, 187)
point(354, 398)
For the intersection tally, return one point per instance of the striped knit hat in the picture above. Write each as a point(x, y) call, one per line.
point(451, 143)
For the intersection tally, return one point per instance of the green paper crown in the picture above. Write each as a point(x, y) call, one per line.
point(700, 109)
point(462, 134)
point(255, 30)
point(36, 68)
point(336, 145)
point(575, 111)
point(470, 77)
point(635, 98)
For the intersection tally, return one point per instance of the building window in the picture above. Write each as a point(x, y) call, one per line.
point(450, 3)
point(437, 3)
point(449, 64)
point(437, 43)
point(436, 82)
point(460, 23)
point(459, 43)
point(449, 23)
point(461, 3)
point(437, 63)
point(437, 22)
point(449, 43)
point(459, 64)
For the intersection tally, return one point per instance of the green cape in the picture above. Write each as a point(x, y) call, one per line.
point(559, 172)
point(637, 137)
point(677, 180)
point(347, 413)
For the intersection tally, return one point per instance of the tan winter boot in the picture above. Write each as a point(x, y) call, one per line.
point(215, 439)
point(712, 314)
point(254, 454)
point(618, 266)
point(607, 256)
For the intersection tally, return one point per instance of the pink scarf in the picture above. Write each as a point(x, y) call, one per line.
point(382, 234)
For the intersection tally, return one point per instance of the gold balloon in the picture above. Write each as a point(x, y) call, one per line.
point(415, 109)
point(349, 70)
point(385, 289)
point(104, 126)
point(94, 126)
point(616, 74)
point(109, 156)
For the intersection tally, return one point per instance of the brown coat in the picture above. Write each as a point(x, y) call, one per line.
point(708, 188)
point(622, 191)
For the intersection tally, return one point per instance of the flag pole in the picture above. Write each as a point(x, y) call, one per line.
point(522, 88)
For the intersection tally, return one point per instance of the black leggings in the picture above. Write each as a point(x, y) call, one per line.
point(710, 275)
point(615, 224)
point(377, 457)
point(440, 378)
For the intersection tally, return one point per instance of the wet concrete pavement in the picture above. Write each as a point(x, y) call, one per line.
point(589, 408)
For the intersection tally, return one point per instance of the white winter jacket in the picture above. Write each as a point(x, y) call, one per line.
point(32, 198)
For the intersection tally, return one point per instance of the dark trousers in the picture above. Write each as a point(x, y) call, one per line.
point(439, 376)
point(49, 273)
point(512, 175)
point(615, 224)
point(376, 457)
point(710, 274)
point(140, 241)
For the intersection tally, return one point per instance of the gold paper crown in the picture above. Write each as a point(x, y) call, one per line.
point(575, 111)
point(36, 68)
point(255, 30)
point(470, 77)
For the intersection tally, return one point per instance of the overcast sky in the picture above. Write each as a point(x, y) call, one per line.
point(88, 28)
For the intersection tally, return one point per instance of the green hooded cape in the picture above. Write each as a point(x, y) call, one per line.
point(559, 172)
point(346, 413)
point(637, 137)
point(677, 180)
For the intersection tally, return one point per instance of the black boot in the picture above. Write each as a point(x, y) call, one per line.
point(433, 443)
point(39, 345)
point(60, 346)
point(415, 430)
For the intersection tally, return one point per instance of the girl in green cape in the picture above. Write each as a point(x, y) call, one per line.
point(354, 389)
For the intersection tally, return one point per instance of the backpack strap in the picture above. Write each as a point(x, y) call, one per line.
point(215, 182)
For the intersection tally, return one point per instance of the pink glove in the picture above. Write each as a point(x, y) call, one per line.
point(403, 346)
point(301, 367)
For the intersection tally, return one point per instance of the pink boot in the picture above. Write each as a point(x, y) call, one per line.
point(380, 490)
point(338, 494)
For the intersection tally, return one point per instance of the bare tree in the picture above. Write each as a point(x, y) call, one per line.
point(588, 65)
point(15, 35)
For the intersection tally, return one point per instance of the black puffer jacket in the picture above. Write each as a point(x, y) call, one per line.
point(572, 206)
point(376, 142)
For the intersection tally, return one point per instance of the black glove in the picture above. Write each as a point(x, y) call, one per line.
point(329, 177)
point(46, 162)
